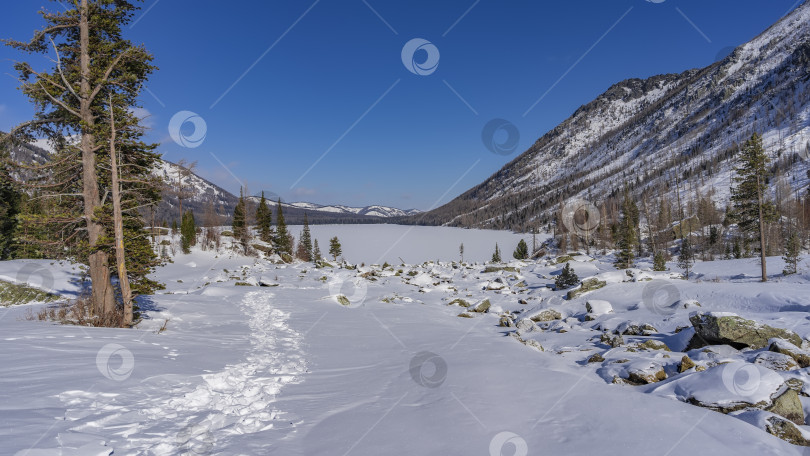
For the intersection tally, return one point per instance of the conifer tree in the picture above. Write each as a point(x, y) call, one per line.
point(9, 208)
point(264, 220)
point(239, 224)
point(282, 239)
point(96, 73)
point(567, 278)
point(335, 248)
point(627, 233)
point(522, 251)
point(793, 248)
point(659, 261)
point(188, 231)
point(316, 251)
point(304, 251)
point(496, 256)
point(751, 209)
point(686, 257)
point(461, 251)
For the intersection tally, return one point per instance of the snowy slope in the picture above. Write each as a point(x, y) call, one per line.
point(644, 132)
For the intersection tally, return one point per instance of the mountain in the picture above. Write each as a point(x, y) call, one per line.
point(199, 193)
point(644, 133)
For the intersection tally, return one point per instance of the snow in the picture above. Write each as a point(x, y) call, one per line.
point(288, 370)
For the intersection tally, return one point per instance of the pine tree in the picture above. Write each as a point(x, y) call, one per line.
point(316, 251)
point(627, 233)
point(686, 257)
point(751, 209)
point(9, 208)
point(496, 256)
point(659, 262)
point(264, 220)
point(96, 76)
point(174, 227)
point(188, 231)
point(522, 251)
point(239, 224)
point(282, 239)
point(461, 251)
point(793, 248)
point(335, 248)
point(567, 278)
point(304, 251)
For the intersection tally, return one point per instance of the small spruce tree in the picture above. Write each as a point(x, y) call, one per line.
point(686, 258)
point(334, 248)
point(188, 231)
point(316, 251)
point(239, 224)
point(496, 256)
point(567, 278)
point(659, 261)
point(522, 251)
point(264, 220)
point(793, 247)
point(282, 239)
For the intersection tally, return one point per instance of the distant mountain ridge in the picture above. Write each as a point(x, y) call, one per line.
point(204, 193)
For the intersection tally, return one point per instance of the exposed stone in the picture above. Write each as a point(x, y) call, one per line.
point(482, 307)
point(506, 322)
point(596, 358)
point(586, 286)
point(465, 315)
point(785, 430)
point(598, 307)
point(789, 406)
point(653, 345)
point(459, 302)
point(547, 315)
point(686, 364)
point(776, 361)
point(730, 329)
point(343, 300)
point(613, 340)
point(534, 344)
point(525, 326)
point(646, 376)
point(786, 348)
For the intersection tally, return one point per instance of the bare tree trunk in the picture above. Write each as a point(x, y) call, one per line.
point(761, 233)
point(118, 222)
point(102, 292)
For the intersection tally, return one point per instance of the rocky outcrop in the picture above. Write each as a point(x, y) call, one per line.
point(729, 329)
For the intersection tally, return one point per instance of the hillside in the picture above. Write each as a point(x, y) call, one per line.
point(645, 133)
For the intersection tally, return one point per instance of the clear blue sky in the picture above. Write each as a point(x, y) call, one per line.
point(329, 63)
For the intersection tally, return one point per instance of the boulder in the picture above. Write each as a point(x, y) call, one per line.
point(731, 329)
point(786, 348)
point(586, 286)
point(686, 364)
point(788, 405)
point(653, 345)
point(482, 307)
point(598, 307)
point(596, 358)
point(459, 302)
point(632, 328)
point(644, 372)
point(506, 322)
point(547, 315)
point(613, 340)
point(776, 361)
point(786, 431)
point(525, 326)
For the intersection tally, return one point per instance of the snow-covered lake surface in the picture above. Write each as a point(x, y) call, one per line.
point(287, 370)
point(376, 244)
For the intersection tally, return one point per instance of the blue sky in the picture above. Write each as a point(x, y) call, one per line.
point(325, 82)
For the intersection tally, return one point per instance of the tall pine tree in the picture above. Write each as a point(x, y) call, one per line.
point(264, 220)
point(304, 251)
point(627, 233)
point(751, 209)
point(239, 224)
point(282, 239)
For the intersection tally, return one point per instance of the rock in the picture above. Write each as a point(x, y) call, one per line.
point(786, 431)
point(632, 328)
point(586, 286)
point(522, 301)
point(506, 322)
point(547, 315)
point(596, 358)
point(653, 345)
point(525, 326)
point(343, 300)
point(691, 303)
point(534, 344)
point(645, 372)
point(598, 307)
point(459, 302)
point(686, 364)
point(786, 348)
point(612, 339)
point(465, 315)
point(788, 406)
point(482, 307)
point(776, 361)
point(731, 329)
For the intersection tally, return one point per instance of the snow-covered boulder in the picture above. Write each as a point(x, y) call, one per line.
point(784, 347)
point(546, 315)
point(731, 329)
point(525, 326)
point(598, 307)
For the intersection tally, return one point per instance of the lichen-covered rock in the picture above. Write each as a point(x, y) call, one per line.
point(653, 345)
point(643, 372)
point(459, 302)
point(786, 430)
point(686, 364)
point(465, 315)
point(632, 328)
point(343, 300)
point(614, 340)
point(586, 286)
point(534, 344)
point(776, 361)
point(482, 307)
point(731, 329)
point(506, 322)
point(596, 358)
point(525, 326)
point(547, 315)
point(788, 405)
point(786, 348)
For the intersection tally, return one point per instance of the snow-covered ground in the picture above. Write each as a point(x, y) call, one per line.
point(286, 369)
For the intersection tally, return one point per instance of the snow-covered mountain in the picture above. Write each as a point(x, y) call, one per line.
point(644, 133)
point(198, 193)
